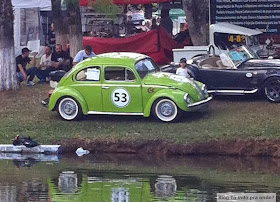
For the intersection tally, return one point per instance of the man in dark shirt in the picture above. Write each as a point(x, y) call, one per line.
point(61, 59)
point(51, 37)
point(166, 21)
point(130, 28)
point(23, 73)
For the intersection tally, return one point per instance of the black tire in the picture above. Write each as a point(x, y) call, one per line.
point(166, 110)
point(271, 89)
point(69, 109)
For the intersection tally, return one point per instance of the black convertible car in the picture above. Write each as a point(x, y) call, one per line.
point(238, 72)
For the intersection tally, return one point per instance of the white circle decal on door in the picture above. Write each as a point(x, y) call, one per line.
point(120, 97)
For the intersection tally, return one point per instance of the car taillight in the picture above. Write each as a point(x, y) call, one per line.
point(50, 93)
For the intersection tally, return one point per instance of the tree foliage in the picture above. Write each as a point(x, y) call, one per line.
point(106, 6)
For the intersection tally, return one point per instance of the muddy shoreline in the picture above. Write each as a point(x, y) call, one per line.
point(257, 148)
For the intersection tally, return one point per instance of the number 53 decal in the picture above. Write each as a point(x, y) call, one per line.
point(120, 97)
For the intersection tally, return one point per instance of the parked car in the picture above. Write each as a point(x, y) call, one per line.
point(238, 72)
point(125, 84)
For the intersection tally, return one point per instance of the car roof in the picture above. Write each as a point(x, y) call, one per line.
point(116, 58)
point(224, 27)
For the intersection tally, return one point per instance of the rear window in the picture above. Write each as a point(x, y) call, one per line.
point(89, 74)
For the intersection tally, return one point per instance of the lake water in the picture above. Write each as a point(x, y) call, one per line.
point(124, 178)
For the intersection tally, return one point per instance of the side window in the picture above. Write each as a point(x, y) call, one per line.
point(130, 75)
point(119, 74)
point(89, 74)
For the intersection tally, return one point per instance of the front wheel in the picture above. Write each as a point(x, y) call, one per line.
point(69, 109)
point(166, 110)
point(272, 89)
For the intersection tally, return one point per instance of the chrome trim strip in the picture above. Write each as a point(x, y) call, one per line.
point(233, 91)
point(99, 84)
point(121, 85)
point(115, 113)
point(87, 84)
point(201, 102)
point(154, 86)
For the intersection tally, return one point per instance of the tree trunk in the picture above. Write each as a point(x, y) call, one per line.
point(8, 80)
point(197, 18)
point(60, 24)
point(75, 27)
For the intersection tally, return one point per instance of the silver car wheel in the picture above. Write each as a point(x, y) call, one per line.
point(68, 109)
point(166, 110)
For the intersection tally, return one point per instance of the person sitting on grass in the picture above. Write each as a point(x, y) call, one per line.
point(46, 63)
point(61, 59)
point(182, 70)
point(83, 54)
point(21, 71)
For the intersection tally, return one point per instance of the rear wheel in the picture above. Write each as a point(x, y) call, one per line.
point(166, 110)
point(272, 89)
point(69, 109)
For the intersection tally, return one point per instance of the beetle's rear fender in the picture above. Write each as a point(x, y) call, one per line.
point(67, 92)
point(176, 95)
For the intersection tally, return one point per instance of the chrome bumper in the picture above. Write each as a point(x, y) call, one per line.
point(201, 103)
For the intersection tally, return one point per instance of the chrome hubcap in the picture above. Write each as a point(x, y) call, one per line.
point(69, 108)
point(166, 109)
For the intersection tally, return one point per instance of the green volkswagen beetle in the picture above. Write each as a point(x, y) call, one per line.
point(125, 84)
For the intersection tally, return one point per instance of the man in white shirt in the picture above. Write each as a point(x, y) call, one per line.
point(83, 54)
point(182, 70)
point(46, 58)
point(46, 63)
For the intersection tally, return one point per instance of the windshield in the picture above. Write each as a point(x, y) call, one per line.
point(241, 54)
point(145, 67)
point(253, 40)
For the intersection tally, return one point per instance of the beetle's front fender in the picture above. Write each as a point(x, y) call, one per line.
point(67, 92)
point(176, 95)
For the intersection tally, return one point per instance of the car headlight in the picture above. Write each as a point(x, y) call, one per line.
point(204, 90)
point(187, 98)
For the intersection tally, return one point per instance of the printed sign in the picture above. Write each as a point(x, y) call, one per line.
point(120, 97)
point(255, 14)
point(93, 74)
point(245, 197)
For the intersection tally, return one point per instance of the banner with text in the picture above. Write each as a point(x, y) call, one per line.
point(255, 14)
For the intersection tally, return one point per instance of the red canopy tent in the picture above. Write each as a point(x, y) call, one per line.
point(125, 2)
point(157, 43)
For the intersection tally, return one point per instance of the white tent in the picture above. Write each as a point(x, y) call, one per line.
point(27, 22)
point(42, 4)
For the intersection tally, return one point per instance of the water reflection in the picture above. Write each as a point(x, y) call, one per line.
point(165, 186)
point(67, 182)
point(126, 178)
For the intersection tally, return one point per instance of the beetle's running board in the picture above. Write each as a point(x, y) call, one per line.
point(115, 113)
point(233, 92)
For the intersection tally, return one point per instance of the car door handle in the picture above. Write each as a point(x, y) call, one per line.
point(105, 87)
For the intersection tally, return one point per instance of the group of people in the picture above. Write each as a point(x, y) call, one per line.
point(50, 61)
point(147, 26)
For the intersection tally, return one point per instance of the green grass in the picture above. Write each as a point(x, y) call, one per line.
point(227, 118)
